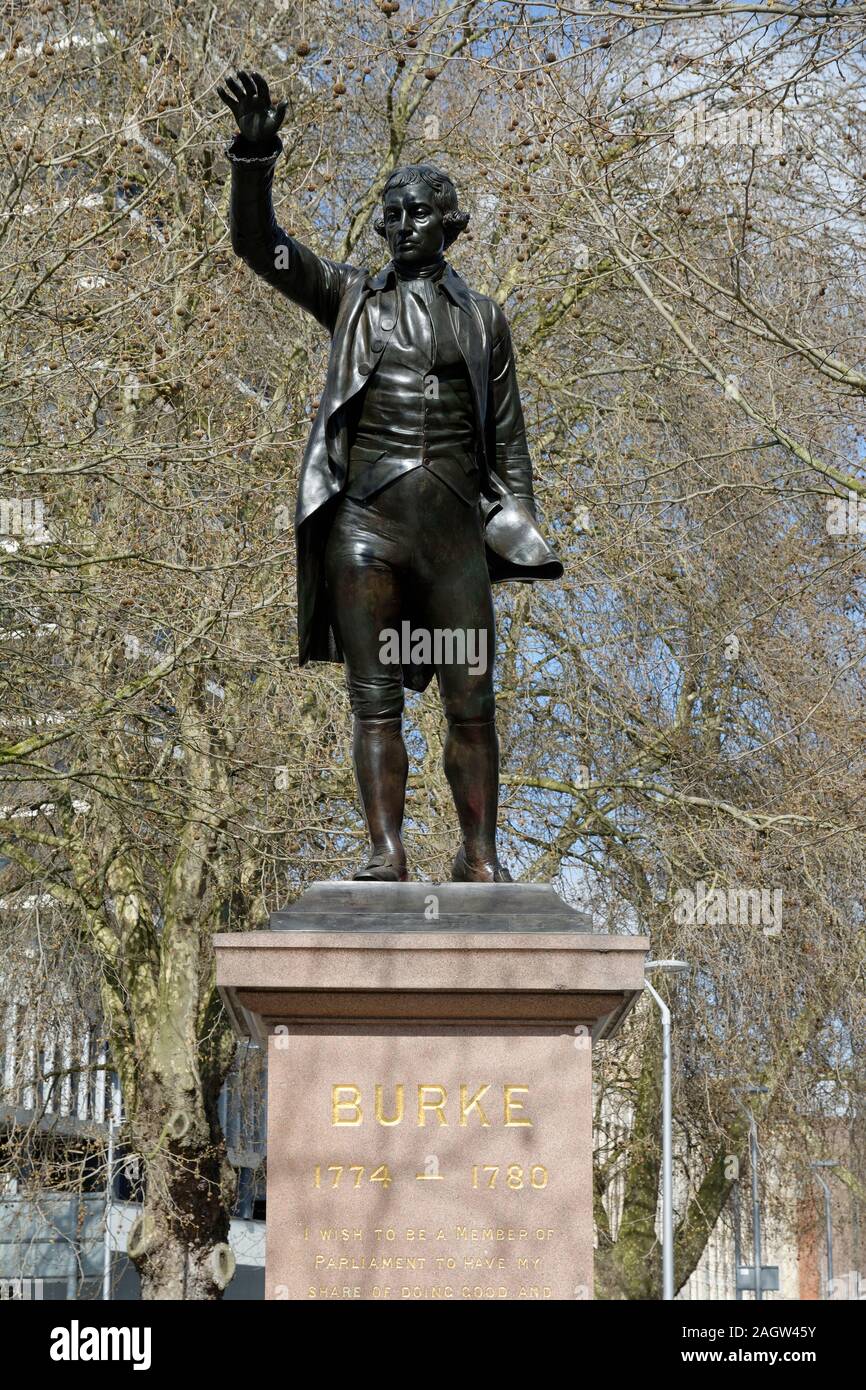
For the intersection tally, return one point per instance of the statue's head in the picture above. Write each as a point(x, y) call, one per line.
point(420, 217)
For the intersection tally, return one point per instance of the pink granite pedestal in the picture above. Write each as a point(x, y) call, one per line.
point(429, 1087)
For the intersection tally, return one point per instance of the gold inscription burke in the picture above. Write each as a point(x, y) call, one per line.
point(436, 1105)
point(432, 1099)
point(353, 1104)
point(398, 1106)
point(511, 1105)
point(467, 1106)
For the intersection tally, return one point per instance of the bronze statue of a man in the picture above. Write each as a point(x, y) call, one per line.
point(416, 485)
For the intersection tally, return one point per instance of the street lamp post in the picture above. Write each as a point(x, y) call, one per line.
point(738, 1240)
point(109, 1198)
point(828, 1218)
point(753, 1164)
point(669, 967)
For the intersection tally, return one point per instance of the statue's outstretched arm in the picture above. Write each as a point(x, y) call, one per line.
point(312, 281)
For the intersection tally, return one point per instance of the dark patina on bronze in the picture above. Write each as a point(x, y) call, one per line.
point(416, 485)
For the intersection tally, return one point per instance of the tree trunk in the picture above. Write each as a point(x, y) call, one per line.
point(179, 1243)
point(631, 1267)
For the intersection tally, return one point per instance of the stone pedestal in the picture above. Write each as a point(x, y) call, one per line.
point(429, 1087)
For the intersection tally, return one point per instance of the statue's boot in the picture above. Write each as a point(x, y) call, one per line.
point(383, 868)
point(471, 763)
point(485, 871)
point(381, 769)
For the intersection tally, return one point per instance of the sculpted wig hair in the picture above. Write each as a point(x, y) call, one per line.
point(444, 197)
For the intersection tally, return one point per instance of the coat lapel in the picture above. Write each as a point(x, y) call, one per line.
point(471, 334)
point(364, 325)
point(367, 328)
point(371, 321)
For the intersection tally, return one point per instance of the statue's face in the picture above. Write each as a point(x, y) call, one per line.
point(413, 225)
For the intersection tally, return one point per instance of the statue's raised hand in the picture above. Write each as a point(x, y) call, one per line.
point(249, 101)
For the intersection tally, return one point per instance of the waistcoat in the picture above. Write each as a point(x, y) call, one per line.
point(416, 410)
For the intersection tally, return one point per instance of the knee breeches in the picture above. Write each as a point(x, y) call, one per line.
point(409, 564)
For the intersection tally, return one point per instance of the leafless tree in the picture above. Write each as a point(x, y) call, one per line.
point(671, 208)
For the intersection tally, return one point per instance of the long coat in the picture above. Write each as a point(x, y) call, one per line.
point(359, 311)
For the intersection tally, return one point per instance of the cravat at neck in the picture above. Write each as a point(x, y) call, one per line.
point(430, 273)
